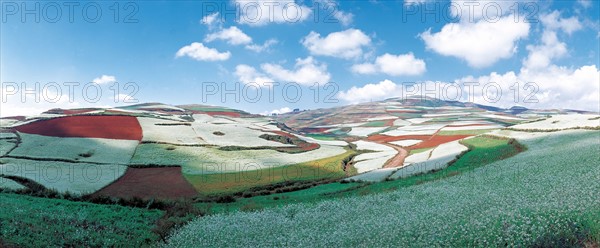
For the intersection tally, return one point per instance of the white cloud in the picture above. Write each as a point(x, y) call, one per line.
point(277, 111)
point(343, 17)
point(541, 56)
point(553, 21)
point(413, 2)
point(263, 12)
point(248, 74)
point(481, 44)
point(370, 92)
point(212, 21)
point(199, 52)
point(306, 72)
point(585, 3)
point(232, 35)
point(104, 79)
point(474, 10)
point(261, 48)
point(344, 44)
point(393, 65)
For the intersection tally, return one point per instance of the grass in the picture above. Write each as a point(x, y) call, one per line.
point(239, 181)
point(38, 222)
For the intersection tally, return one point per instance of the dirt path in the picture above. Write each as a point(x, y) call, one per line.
point(398, 160)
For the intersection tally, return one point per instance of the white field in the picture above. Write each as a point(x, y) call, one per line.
point(322, 142)
point(495, 116)
point(382, 118)
point(178, 134)
point(10, 184)
point(206, 160)
point(372, 160)
point(472, 128)
point(374, 175)
point(352, 124)
point(562, 122)
point(7, 122)
point(8, 135)
point(447, 114)
point(371, 164)
point(240, 134)
point(6, 145)
point(400, 122)
point(162, 106)
point(365, 131)
point(372, 146)
point(418, 120)
point(103, 150)
point(439, 159)
point(415, 130)
point(406, 142)
point(79, 178)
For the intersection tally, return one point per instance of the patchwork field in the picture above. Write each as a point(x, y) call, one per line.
point(439, 170)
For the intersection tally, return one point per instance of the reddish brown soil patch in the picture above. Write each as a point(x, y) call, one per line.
point(108, 127)
point(385, 138)
point(438, 140)
point(146, 183)
point(230, 114)
point(428, 141)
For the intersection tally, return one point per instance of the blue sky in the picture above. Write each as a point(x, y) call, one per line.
point(367, 48)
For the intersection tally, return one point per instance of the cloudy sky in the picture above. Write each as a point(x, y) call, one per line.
point(275, 55)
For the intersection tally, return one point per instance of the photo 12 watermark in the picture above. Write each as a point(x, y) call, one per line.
point(70, 11)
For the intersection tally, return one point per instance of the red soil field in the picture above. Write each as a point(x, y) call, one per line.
point(108, 127)
point(386, 138)
point(230, 114)
point(438, 140)
point(428, 141)
point(146, 183)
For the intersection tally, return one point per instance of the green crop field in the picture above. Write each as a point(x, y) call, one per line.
point(39, 222)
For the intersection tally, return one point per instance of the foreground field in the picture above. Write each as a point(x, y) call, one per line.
point(530, 199)
point(37, 222)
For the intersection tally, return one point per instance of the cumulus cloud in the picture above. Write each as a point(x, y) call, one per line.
point(370, 92)
point(263, 12)
point(261, 48)
point(278, 111)
point(346, 44)
point(232, 35)
point(393, 65)
point(480, 44)
point(248, 74)
point(553, 21)
point(540, 56)
point(104, 79)
point(199, 52)
point(212, 21)
point(475, 10)
point(306, 71)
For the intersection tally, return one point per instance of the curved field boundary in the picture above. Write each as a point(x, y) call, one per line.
point(108, 127)
point(149, 183)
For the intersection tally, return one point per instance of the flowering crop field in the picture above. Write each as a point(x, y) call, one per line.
point(27, 221)
point(546, 196)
